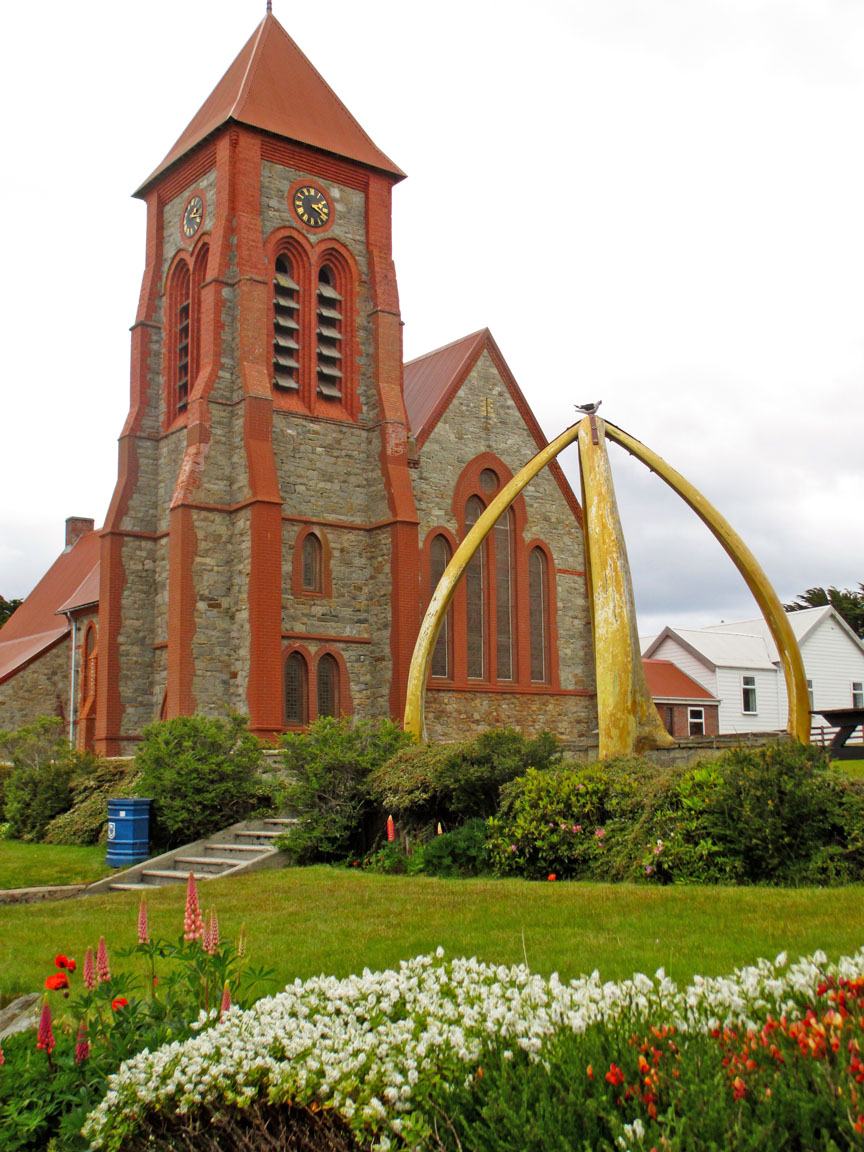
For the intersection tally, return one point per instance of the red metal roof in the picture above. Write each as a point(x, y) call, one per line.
point(35, 626)
point(666, 681)
point(430, 380)
point(271, 85)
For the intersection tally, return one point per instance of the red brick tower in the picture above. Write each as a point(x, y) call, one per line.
point(260, 553)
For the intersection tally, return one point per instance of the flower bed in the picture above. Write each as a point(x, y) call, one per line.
point(464, 1054)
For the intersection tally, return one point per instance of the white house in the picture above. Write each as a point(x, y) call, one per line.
point(739, 664)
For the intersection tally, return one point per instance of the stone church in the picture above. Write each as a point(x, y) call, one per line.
point(289, 492)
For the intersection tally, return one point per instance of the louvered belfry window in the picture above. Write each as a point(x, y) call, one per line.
point(286, 326)
point(538, 613)
point(475, 594)
point(182, 319)
point(295, 689)
point(328, 686)
point(439, 558)
point(329, 333)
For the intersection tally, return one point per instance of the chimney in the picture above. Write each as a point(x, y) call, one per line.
point(76, 527)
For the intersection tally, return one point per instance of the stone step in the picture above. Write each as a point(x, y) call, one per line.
point(168, 874)
point(130, 887)
point(281, 820)
point(219, 847)
point(218, 862)
point(259, 833)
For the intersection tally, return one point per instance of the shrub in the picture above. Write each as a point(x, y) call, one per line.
point(452, 783)
point(328, 769)
point(203, 773)
point(462, 852)
point(86, 822)
point(569, 822)
point(39, 785)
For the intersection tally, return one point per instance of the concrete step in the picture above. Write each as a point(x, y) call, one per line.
point(220, 847)
point(218, 862)
point(281, 820)
point(173, 876)
point(130, 887)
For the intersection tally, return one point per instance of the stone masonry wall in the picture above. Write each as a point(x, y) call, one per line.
point(484, 417)
point(39, 689)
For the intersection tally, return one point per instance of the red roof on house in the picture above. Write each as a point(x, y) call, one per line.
point(35, 626)
point(271, 85)
point(666, 681)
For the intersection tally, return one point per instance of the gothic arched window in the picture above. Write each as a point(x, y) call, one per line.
point(440, 554)
point(504, 539)
point(296, 690)
point(311, 564)
point(328, 686)
point(475, 593)
point(538, 615)
point(199, 272)
point(180, 330)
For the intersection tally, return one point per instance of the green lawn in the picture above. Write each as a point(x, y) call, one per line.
point(32, 865)
point(305, 921)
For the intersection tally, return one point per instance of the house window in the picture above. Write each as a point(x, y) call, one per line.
point(810, 694)
point(696, 721)
point(748, 693)
point(439, 558)
point(329, 335)
point(311, 564)
point(538, 616)
point(296, 690)
point(668, 718)
point(857, 694)
point(286, 326)
point(475, 579)
point(328, 686)
point(504, 532)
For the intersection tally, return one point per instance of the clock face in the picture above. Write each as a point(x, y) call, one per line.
point(312, 206)
point(193, 216)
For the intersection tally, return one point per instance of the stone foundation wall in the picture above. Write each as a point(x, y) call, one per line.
point(39, 689)
point(453, 715)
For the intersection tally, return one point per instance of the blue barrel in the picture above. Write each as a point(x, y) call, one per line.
point(128, 831)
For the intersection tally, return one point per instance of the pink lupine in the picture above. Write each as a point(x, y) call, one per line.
point(210, 940)
point(103, 972)
point(391, 829)
point(2, 1057)
point(226, 1001)
point(89, 971)
point(143, 938)
point(45, 1039)
point(193, 925)
point(82, 1045)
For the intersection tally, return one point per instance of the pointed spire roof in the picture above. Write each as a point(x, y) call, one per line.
point(272, 86)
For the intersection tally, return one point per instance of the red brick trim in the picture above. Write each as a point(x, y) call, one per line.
point(480, 688)
point(326, 637)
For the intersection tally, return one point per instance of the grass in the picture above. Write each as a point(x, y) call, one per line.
point(854, 768)
point(30, 865)
point(304, 921)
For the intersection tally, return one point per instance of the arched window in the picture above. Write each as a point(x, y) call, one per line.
point(311, 564)
point(296, 690)
point(440, 555)
point(475, 592)
point(505, 532)
point(328, 686)
point(538, 615)
point(329, 335)
point(286, 326)
point(179, 319)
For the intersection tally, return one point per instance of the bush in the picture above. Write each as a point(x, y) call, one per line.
point(328, 769)
point(462, 852)
point(451, 783)
point(773, 815)
point(202, 773)
point(39, 785)
point(86, 822)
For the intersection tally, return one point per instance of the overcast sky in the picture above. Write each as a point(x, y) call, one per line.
point(656, 203)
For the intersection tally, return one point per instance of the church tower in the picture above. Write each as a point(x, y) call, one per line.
point(260, 553)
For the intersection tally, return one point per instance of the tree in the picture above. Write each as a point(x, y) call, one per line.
point(7, 607)
point(848, 603)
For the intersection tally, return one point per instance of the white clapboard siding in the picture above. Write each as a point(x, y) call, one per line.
point(669, 650)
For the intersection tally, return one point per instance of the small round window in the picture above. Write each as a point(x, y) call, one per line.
point(488, 480)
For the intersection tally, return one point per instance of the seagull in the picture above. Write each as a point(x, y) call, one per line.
point(588, 409)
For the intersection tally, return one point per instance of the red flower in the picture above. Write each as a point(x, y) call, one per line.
point(71, 965)
point(58, 982)
point(61, 961)
point(119, 1003)
point(615, 1075)
point(551, 876)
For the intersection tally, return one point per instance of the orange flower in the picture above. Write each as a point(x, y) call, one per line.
point(58, 982)
point(615, 1075)
point(590, 1072)
point(551, 876)
point(120, 1002)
